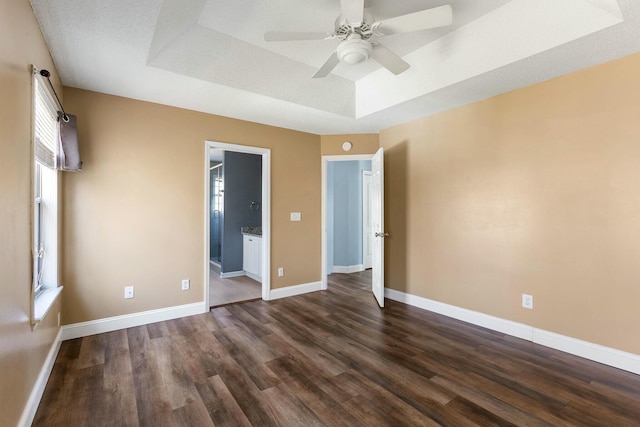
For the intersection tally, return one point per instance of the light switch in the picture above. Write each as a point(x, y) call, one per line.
point(296, 216)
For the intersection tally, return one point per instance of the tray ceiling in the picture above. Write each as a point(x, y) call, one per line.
point(210, 55)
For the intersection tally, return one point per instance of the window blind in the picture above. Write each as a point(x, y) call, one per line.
point(46, 126)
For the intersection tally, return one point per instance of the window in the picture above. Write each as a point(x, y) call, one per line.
point(45, 200)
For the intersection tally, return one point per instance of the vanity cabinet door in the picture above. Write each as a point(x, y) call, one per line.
point(252, 256)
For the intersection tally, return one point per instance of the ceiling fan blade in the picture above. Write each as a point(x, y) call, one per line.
point(285, 36)
point(327, 66)
point(430, 18)
point(353, 11)
point(388, 59)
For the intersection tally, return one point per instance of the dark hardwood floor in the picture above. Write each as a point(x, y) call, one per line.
point(328, 358)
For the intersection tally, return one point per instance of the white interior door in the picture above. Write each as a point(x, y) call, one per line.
point(377, 222)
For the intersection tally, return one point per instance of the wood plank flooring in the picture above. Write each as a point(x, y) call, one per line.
point(329, 358)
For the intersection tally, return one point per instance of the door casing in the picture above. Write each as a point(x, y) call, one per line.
point(325, 160)
point(266, 212)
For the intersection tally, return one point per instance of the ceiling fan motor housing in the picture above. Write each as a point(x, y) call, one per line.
point(354, 50)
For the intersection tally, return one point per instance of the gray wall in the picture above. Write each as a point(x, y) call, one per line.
point(242, 185)
point(344, 212)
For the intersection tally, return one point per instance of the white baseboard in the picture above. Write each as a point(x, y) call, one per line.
point(347, 269)
point(598, 353)
point(290, 291)
point(232, 274)
point(480, 319)
point(605, 355)
point(254, 277)
point(92, 327)
point(30, 408)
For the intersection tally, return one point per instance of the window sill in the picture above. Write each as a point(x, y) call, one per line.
point(43, 303)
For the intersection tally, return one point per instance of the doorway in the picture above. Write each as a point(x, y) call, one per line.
point(344, 196)
point(237, 209)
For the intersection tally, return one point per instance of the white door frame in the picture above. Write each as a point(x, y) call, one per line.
point(325, 160)
point(266, 212)
point(367, 232)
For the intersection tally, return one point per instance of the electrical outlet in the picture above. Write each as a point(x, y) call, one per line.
point(296, 216)
point(128, 292)
point(185, 284)
point(527, 301)
point(280, 272)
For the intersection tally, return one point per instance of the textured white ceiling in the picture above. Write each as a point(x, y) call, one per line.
point(210, 56)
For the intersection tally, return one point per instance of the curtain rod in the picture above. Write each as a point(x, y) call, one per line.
point(46, 74)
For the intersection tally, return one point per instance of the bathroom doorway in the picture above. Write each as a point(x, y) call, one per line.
point(237, 223)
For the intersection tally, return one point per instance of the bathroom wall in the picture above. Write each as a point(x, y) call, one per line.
point(242, 185)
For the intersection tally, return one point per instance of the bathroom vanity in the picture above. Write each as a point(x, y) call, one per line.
point(252, 252)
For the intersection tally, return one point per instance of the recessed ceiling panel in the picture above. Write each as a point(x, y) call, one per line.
point(248, 20)
point(515, 31)
point(210, 56)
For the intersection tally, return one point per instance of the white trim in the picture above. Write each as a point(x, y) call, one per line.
point(598, 353)
point(266, 212)
point(480, 319)
point(324, 160)
point(232, 274)
point(254, 277)
point(43, 303)
point(207, 222)
point(291, 291)
point(266, 224)
point(605, 355)
point(347, 269)
point(347, 157)
point(29, 411)
point(323, 220)
point(92, 327)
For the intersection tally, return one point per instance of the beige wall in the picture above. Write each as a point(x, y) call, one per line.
point(363, 143)
point(533, 191)
point(22, 351)
point(536, 191)
point(135, 215)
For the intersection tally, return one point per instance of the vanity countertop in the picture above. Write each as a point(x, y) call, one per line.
point(254, 231)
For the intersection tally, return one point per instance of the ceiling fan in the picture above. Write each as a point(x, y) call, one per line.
point(356, 26)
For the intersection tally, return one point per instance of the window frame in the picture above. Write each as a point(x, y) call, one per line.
point(45, 219)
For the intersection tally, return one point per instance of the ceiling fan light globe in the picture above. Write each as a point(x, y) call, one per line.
point(354, 51)
point(352, 58)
